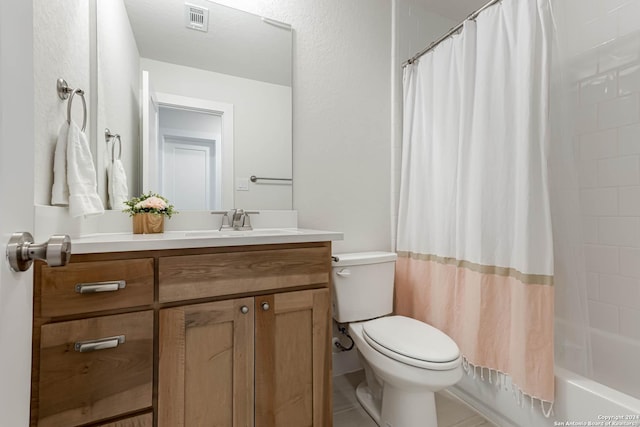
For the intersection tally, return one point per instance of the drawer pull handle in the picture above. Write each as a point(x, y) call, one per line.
point(92, 288)
point(100, 344)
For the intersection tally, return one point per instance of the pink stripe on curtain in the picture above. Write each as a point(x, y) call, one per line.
point(497, 321)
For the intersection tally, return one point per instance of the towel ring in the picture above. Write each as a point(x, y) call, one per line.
point(107, 137)
point(64, 92)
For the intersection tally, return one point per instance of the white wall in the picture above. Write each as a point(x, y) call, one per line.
point(118, 93)
point(341, 115)
point(262, 125)
point(60, 49)
point(209, 125)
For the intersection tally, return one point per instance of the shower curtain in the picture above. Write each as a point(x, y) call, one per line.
point(474, 229)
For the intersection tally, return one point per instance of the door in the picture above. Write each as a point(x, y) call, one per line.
point(205, 373)
point(16, 205)
point(149, 137)
point(188, 178)
point(293, 359)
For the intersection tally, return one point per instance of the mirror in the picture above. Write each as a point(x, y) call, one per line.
point(200, 95)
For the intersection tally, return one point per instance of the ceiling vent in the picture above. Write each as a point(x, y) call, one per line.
point(196, 17)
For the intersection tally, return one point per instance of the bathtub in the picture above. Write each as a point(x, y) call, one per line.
point(578, 399)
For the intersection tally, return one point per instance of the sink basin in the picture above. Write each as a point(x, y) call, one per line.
point(243, 233)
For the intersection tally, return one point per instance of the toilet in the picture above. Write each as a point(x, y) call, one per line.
point(405, 360)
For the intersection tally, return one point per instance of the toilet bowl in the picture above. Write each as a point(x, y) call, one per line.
point(407, 391)
point(406, 361)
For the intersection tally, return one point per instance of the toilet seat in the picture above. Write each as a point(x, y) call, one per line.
point(412, 342)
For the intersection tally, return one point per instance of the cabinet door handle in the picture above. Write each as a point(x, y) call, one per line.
point(265, 306)
point(99, 344)
point(244, 309)
point(92, 288)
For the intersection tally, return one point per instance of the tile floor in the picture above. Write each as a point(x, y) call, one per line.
point(348, 413)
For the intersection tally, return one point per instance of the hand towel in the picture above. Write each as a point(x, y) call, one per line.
point(60, 189)
point(81, 176)
point(117, 185)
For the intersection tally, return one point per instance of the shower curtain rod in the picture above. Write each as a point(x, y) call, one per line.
point(449, 33)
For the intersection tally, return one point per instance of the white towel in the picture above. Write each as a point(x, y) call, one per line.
point(117, 185)
point(60, 189)
point(81, 176)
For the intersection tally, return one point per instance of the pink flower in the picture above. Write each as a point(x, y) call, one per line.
point(152, 203)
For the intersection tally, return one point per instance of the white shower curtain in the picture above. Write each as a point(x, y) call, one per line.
point(474, 228)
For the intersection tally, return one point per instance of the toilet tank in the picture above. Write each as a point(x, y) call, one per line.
point(363, 285)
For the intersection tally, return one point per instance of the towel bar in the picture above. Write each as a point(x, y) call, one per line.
point(254, 178)
point(65, 92)
point(107, 137)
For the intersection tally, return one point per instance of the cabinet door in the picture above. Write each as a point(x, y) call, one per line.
point(206, 364)
point(293, 359)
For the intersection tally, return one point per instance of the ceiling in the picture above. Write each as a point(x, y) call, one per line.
point(236, 43)
point(456, 10)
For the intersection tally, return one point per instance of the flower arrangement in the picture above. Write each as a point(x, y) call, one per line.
point(149, 203)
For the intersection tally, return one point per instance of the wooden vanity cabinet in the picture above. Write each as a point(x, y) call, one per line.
point(212, 356)
point(236, 336)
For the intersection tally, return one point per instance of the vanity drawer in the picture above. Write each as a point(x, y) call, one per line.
point(59, 296)
point(210, 275)
point(80, 382)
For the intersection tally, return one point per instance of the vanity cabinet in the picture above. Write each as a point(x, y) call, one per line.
point(218, 360)
point(226, 336)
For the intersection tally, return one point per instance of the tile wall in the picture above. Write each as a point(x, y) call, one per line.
point(605, 45)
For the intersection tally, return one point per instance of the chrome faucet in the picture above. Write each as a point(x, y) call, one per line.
point(236, 219)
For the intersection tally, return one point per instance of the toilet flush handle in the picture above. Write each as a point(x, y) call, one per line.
point(345, 272)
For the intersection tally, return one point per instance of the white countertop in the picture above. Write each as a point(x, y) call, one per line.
point(121, 242)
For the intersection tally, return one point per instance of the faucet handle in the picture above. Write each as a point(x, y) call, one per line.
point(224, 223)
point(246, 224)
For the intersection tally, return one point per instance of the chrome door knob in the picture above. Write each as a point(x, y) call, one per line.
point(265, 306)
point(244, 309)
point(21, 251)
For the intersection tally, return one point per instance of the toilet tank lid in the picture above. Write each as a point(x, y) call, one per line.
point(361, 258)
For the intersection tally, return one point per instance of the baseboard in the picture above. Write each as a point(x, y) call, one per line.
point(480, 407)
